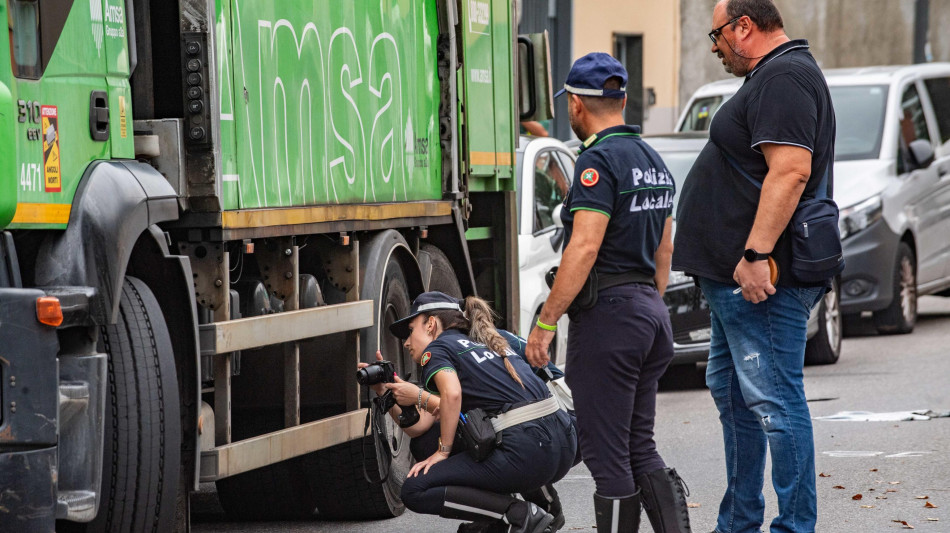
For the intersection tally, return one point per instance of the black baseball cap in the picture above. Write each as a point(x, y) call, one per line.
point(425, 302)
point(589, 74)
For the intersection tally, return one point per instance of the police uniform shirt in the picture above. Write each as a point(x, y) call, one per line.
point(784, 100)
point(485, 381)
point(619, 175)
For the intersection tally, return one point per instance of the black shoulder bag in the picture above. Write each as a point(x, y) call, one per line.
point(816, 254)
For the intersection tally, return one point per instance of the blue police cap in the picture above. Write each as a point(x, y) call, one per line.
point(427, 301)
point(589, 74)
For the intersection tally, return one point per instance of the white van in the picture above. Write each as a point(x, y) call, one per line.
point(892, 159)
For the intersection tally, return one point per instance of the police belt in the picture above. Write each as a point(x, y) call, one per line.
point(525, 413)
point(606, 281)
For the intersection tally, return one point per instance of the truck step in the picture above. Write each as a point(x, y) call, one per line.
point(76, 505)
point(256, 452)
point(254, 332)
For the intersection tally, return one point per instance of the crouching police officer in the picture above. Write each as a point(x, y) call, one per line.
point(617, 221)
point(423, 442)
point(537, 445)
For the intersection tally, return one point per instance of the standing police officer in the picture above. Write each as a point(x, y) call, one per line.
point(618, 224)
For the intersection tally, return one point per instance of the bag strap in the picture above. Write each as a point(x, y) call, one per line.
point(821, 192)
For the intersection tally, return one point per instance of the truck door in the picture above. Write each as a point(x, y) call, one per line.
point(58, 61)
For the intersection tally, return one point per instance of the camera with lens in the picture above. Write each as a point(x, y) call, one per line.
point(385, 372)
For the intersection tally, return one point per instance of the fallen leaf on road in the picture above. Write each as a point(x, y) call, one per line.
point(923, 497)
point(891, 490)
point(837, 487)
point(824, 475)
point(893, 482)
point(857, 497)
point(903, 523)
point(929, 505)
point(929, 519)
point(693, 505)
point(871, 489)
point(880, 498)
point(867, 507)
point(874, 470)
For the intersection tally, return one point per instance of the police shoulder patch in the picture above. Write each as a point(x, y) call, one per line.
point(425, 358)
point(590, 177)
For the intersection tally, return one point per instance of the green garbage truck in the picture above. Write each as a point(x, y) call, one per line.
point(210, 211)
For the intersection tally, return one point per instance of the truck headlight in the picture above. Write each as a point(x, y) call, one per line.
point(678, 278)
point(859, 216)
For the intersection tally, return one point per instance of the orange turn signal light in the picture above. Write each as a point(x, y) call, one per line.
point(48, 311)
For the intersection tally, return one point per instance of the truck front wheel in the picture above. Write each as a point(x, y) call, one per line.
point(140, 467)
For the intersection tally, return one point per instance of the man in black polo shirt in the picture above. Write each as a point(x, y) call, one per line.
point(770, 145)
point(617, 220)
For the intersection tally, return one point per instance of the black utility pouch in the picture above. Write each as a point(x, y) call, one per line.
point(476, 431)
point(585, 299)
point(816, 244)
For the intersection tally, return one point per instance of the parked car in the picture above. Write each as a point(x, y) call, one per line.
point(545, 168)
point(892, 160)
point(689, 312)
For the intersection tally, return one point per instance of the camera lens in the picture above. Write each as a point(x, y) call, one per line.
point(370, 375)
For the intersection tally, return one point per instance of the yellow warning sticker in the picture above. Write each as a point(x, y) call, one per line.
point(122, 120)
point(51, 163)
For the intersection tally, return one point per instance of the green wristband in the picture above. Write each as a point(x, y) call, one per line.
point(546, 327)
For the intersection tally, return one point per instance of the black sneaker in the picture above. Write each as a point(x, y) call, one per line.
point(529, 518)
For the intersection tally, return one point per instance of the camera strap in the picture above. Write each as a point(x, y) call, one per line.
point(374, 415)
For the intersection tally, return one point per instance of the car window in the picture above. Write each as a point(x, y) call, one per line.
point(859, 120)
point(568, 164)
point(701, 113)
point(679, 165)
point(550, 187)
point(913, 122)
point(939, 91)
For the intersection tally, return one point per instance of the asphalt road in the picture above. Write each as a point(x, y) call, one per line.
point(891, 465)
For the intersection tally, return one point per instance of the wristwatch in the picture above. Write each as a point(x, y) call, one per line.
point(752, 256)
point(446, 449)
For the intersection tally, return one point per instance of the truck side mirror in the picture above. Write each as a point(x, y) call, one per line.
point(535, 96)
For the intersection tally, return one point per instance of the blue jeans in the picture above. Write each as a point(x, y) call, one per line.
point(756, 356)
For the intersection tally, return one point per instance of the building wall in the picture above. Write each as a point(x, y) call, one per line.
point(595, 23)
point(842, 33)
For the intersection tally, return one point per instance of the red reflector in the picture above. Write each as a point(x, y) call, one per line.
point(48, 311)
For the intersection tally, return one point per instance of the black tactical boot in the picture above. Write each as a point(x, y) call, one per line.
point(547, 499)
point(526, 517)
point(486, 508)
point(664, 498)
point(617, 515)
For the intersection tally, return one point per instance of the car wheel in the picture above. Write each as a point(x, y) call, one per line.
point(825, 347)
point(901, 315)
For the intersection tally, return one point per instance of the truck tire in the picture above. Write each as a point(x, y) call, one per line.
point(825, 347)
point(901, 315)
point(336, 474)
point(142, 445)
point(443, 276)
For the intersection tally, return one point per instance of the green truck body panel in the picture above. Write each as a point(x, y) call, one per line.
point(328, 102)
point(322, 102)
point(487, 79)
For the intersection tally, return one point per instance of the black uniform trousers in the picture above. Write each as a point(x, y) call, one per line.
point(531, 454)
point(616, 353)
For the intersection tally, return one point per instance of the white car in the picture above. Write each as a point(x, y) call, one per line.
point(545, 170)
point(892, 183)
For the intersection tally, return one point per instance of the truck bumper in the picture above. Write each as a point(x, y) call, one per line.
point(28, 414)
point(52, 401)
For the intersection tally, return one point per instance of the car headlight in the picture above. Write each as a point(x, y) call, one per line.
point(678, 278)
point(859, 216)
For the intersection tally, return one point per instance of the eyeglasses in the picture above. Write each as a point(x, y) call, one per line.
point(714, 35)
